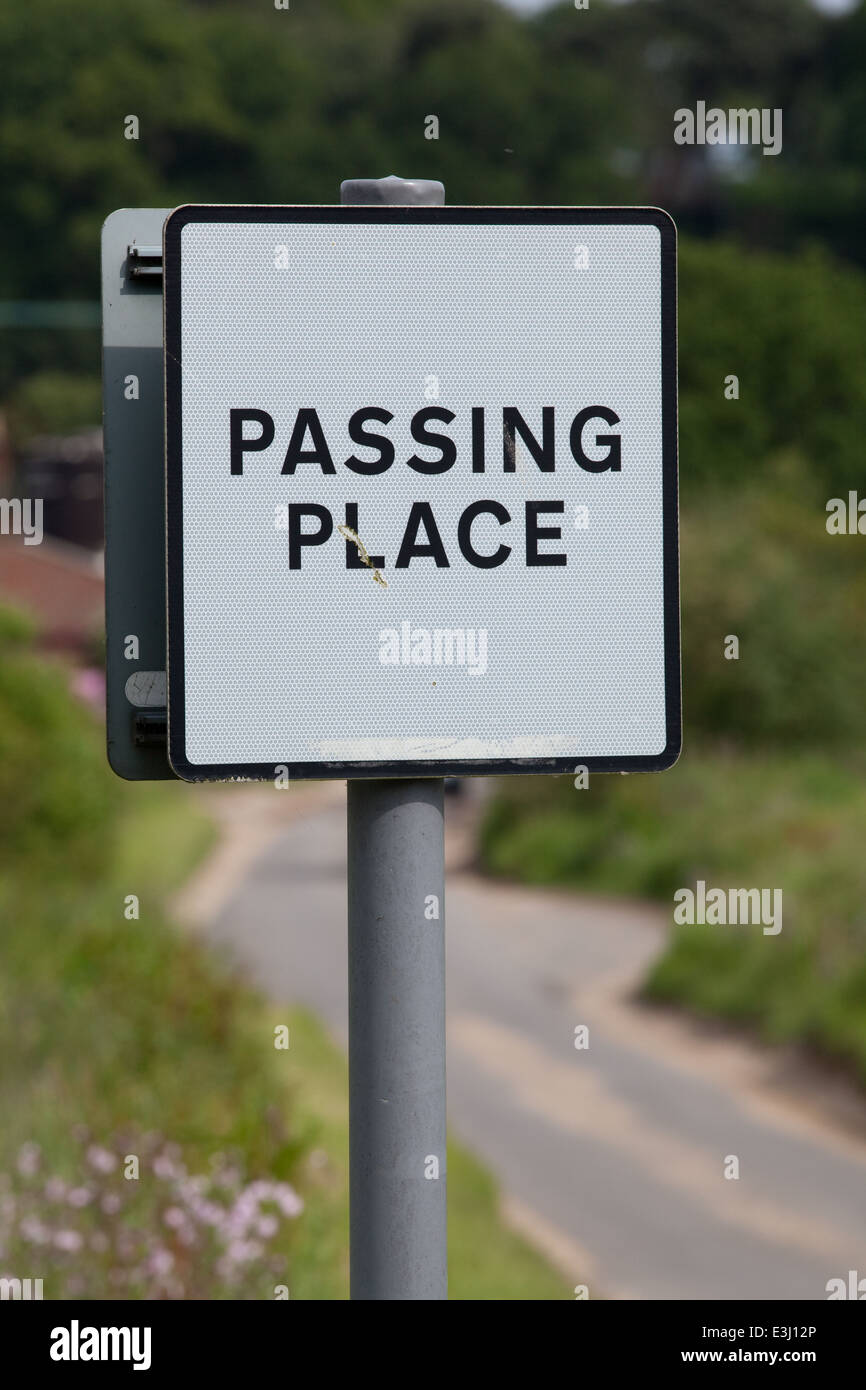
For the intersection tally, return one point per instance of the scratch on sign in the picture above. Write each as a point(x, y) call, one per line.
point(351, 535)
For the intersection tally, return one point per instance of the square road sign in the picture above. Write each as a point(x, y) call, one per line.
point(421, 491)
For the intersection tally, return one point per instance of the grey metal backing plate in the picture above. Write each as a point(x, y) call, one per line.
point(134, 486)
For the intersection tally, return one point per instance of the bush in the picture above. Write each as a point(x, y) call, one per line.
point(54, 403)
point(56, 801)
point(791, 329)
point(757, 563)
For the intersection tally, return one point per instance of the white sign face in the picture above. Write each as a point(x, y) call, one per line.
point(422, 509)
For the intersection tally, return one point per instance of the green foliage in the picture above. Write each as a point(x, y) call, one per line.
point(791, 329)
point(796, 826)
point(246, 103)
point(56, 801)
point(114, 1025)
point(714, 813)
point(54, 403)
point(757, 562)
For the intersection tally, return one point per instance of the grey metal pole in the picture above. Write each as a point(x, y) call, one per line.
point(397, 1040)
point(396, 881)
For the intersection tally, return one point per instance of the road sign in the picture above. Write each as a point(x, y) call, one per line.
point(421, 491)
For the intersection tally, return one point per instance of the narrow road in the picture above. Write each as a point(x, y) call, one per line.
point(613, 1157)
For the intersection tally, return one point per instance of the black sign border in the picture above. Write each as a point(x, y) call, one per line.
point(425, 216)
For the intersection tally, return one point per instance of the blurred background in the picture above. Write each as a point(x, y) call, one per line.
point(153, 937)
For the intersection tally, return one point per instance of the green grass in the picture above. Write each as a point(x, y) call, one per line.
point(127, 1025)
point(167, 835)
